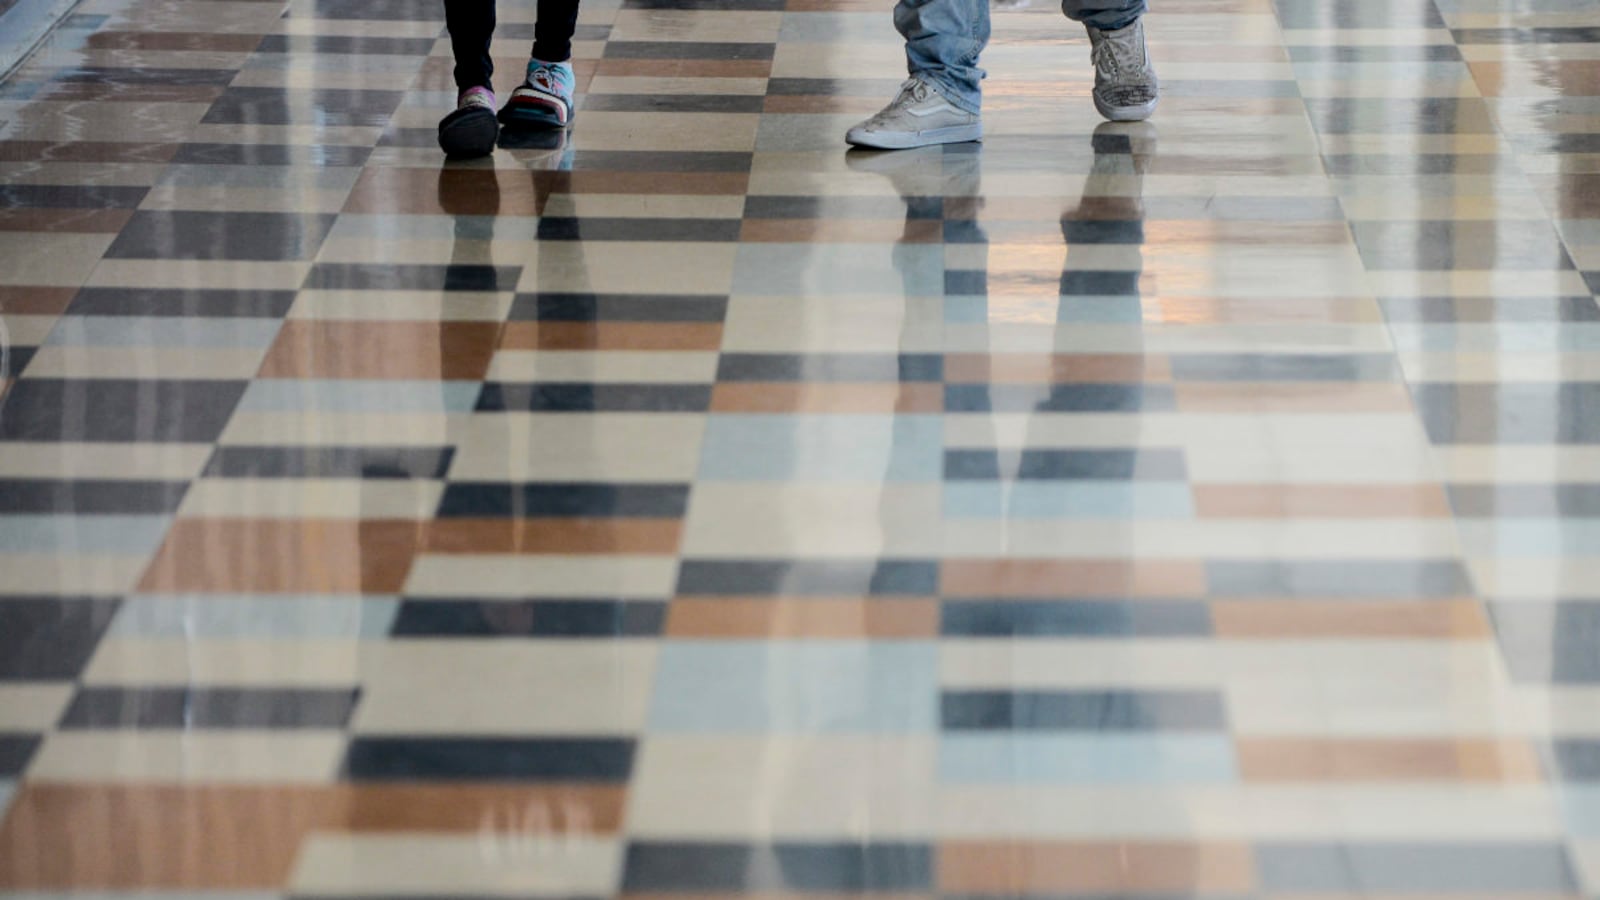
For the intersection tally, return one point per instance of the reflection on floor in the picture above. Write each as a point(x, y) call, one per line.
point(1208, 508)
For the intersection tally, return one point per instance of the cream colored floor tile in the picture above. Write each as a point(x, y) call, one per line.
point(63, 259)
point(744, 788)
point(505, 687)
point(342, 429)
point(184, 756)
point(776, 521)
point(1513, 464)
point(543, 576)
point(617, 447)
point(200, 273)
point(226, 663)
point(1514, 577)
point(25, 331)
point(838, 323)
point(33, 573)
point(157, 462)
point(33, 706)
point(1487, 367)
point(490, 864)
point(145, 362)
point(1385, 449)
point(316, 498)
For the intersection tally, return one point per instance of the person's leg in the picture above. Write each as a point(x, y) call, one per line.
point(1106, 15)
point(471, 26)
point(545, 97)
point(471, 129)
point(1125, 86)
point(939, 103)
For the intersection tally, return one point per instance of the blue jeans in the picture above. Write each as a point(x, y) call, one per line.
point(944, 38)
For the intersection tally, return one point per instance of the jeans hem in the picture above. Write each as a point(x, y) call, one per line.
point(950, 95)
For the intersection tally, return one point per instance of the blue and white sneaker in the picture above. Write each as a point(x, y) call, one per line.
point(544, 100)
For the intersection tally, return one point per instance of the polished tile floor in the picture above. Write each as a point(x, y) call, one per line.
point(689, 507)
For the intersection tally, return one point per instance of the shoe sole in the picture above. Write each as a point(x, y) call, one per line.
point(906, 140)
point(533, 114)
point(468, 133)
point(1126, 113)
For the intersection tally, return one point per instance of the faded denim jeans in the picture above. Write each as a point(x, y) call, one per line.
point(945, 37)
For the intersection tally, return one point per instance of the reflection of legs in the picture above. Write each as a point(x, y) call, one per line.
point(941, 189)
point(1108, 217)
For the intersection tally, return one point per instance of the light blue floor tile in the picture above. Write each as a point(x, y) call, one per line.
point(1531, 538)
point(800, 270)
point(1098, 759)
point(823, 448)
point(254, 616)
point(274, 395)
point(130, 535)
point(1078, 500)
point(1580, 805)
point(1513, 337)
point(163, 331)
point(820, 687)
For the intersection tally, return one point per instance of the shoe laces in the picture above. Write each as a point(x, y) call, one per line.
point(1111, 55)
point(913, 90)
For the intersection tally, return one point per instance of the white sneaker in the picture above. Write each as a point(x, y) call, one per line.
point(1125, 86)
point(918, 116)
